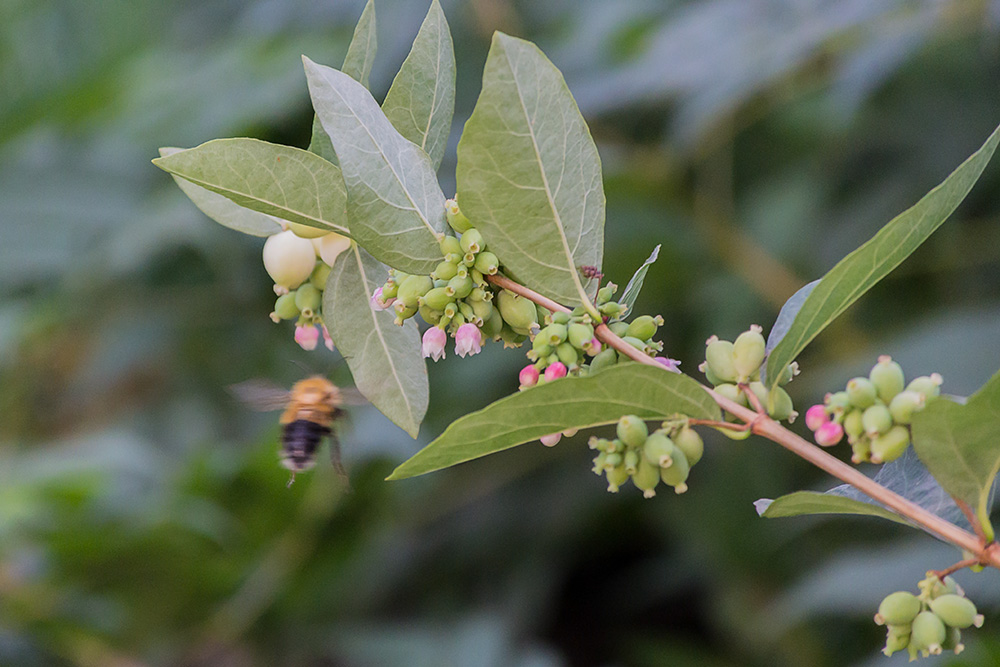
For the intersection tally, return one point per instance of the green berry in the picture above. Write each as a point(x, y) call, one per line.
point(482, 309)
point(460, 287)
point(444, 271)
point(749, 349)
point(605, 293)
point(403, 313)
point(953, 642)
point(759, 391)
point(492, 325)
point(451, 246)
point(632, 431)
point(631, 460)
point(390, 289)
point(472, 241)
point(430, 315)
point(634, 342)
point(928, 385)
point(560, 317)
point(853, 426)
point(412, 288)
point(519, 313)
point(890, 445)
point(618, 328)
point(789, 372)
point(688, 441)
point(487, 263)
point(308, 297)
point(839, 402)
point(904, 404)
point(285, 308)
point(616, 474)
point(613, 309)
point(779, 405)
point(709, 375)
point(733, 393)
point(659, 449)
point(455, 217)
point(899, 608)
point(719, 355)
point(861, 392)
point(887, 376)
point(928, 632)
point(510, 337)
point(956, 611)
point(897, 639)
point(677, 472)
point(646, 477)
point(605, 359)
point(568, 354)
point(436, 298)
point(644, 327)
point(319, 275)
point(579, 334)
point(554, 334)
point(862, 449)
point(876, 419)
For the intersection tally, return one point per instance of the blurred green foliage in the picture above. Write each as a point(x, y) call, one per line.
point(143, 517)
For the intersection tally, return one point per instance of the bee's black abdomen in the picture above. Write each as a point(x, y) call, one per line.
point(299, 441)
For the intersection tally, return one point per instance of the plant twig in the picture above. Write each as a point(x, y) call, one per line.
point(960, 565)
point(765, 426)
point(973, 519)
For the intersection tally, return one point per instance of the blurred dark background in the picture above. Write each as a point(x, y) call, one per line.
point(143, 517)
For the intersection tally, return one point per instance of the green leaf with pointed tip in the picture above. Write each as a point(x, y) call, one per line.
point(421, 101)
point(385, 359)
point(288, 183)
point(634, 286)
point(395, 205)
point(858, 272)
point(357, 64)
point(960, 445)
point(364, 43)
point(812, 502)
point(573, 402)
point(529, 176)
point(224, 211)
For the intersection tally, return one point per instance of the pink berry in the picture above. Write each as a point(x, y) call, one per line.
point(829, 434)
point(816, 416)
point(555, 371)
point(528, 376)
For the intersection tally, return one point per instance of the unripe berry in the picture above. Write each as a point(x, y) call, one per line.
point(410, 291)
point(876, 420)
point(899, 608)
point(904, 404)
point(936, 587)
point(451, 246)
point(456, 219)
point(436, 298)
point(733, 433)
point(733, 393)
point(403, 313)
point(928, 385)
point(853, 425)
point(839, 402)
point(568, 354)
point(646, 477)
point(613, 309)
point(861, 392)
point(712, 378)
point(953, 642)
point(605, 359)
point(617, 475)
point(516, 311)
point(897, 639)
point(288, 259)
point(719, 355)
point(659, 449)
point(605, 293)
point(445, 271)
point(748, 352)
point(780, 405)
point(554, 334)
point(644, 327)
point(760, 392)
point(618, 328)
point(861, 449)
point(634, 342)
point(928, 632)
point(677, 472)
point(632, 430)
point(829, 434)
point(389, 290)
point(579, 335)
point(788, 372)
point(285, 308)
point(319, 275)
point(816, 416)
point(472, 241)
point(890, 445)
point(482, 309)
point(460, 287)
point(887, 376)
point(493, 325)
point(487, 263)
point(308, 297)
point(306, 231)
point(956, 611)
point(688, 441)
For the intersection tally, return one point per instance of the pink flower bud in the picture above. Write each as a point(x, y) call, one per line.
point(816, 416)
point(829, 434)
point(433, 343)
point(379, 303)
point(468, 340)
point(668, 363)
point(528, 376)
point(593, 348)
point(555, 371)
point(307, 337)
point(326, 338)
point(551, 439)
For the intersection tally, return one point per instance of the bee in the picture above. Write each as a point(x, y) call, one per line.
point(311, 410)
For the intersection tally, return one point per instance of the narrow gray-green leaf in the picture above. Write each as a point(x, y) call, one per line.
point(289, 183)
point(361, 51)
point(556, 406)
point(813, 502)
point(783, 322)
point(529, 176)
point(421, 100)
point(320, 143)
point(858, 272)
point(222, 210)
point(385, 359)
point(960, 444)
point(395, 205)
point(634, 286)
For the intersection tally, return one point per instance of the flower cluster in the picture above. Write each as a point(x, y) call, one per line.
point(874, 411)
point(667, 454)
point(728, 365)
point(928, 623)
point(299, 260)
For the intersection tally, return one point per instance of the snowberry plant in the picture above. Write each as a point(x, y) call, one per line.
point(363, 244)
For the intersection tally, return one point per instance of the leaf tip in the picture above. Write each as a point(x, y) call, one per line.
point(762, 505)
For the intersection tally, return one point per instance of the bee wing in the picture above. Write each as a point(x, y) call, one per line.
point(260, 394)
point(335, 459)
point(351, 396)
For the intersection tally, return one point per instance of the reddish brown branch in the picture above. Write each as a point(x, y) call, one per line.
point(972, 518)
point(960, 565)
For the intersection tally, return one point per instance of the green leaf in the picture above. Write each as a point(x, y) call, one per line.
point(858, 272)
point(529, 176)
point(813, 502)
point(573, 402)
point(421, 100)
point(395, 205)
point(783, 322)
point(289, 183)
point(385, 359)
point(224, 211)
point(960, 444)
point(634, 286)
point(361, 51)
point(357, 64)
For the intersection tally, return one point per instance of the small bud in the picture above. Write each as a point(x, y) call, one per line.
point(632, 430)
point(861, 449)
point(904, 404)
point(876, 420)
point(890, 445)
point(749, 349)
point(616, 474)
point(307, 336)
point(816, 416)
point(838, 402)
point(327, 339)
point(551, 439)
point(928, 385)
point(592, 347)
point(456, 219)
point(688, 441)
point(899, 608)
point(433, 343)
point(719, 355)
point(897, 639)
point(956, 611)
point(555, 371)
point(288, 259)
point(861, 392)
point(671, 365)
point(829, 434)
point(887, 376)
point(468, 340)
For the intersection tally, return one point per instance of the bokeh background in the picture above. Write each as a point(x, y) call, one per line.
point(143, 517)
